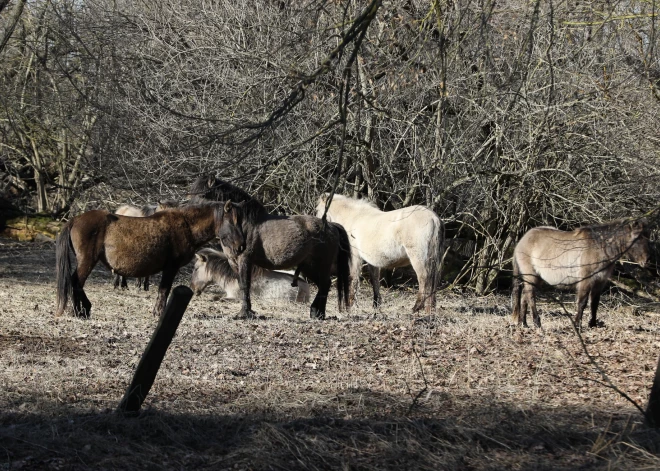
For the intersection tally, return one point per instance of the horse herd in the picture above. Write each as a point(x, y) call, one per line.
point(140, 242)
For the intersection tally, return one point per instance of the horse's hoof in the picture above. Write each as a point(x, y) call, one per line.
point(596, 324)
point(246, 315)
point(315, 313)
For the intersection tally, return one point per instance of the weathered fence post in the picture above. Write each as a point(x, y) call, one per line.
point(653, 409)
point(153, 355)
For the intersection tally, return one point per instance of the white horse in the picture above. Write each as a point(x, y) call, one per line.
point(212, 266)
point(409, 236)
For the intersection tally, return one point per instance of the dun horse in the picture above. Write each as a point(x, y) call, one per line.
point(136, 212)
point(409, 236)
point(130, 246)
point(284, 242)
point(212, 266)
point(583, 258)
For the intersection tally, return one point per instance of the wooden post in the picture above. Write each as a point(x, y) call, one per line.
point(653, 409)
point(153, 355)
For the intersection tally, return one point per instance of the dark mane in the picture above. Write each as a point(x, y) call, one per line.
point(602, 231)
point(148, 209)
point(218, 263)
point(210, 187)
point(167, 204)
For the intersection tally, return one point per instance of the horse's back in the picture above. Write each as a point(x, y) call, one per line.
point(557, 256)
point(129, 210)
point(91, 223)
point(289, 240)
point(387, 238)
point(156, 239)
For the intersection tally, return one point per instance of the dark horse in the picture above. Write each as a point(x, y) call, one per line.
point(139, 247)
point(583, 259)
point(284, 242)
point(137, 212)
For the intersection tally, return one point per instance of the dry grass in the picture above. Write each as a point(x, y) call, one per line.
point(460, 391)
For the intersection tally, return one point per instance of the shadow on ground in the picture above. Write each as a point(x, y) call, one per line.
point(478, 434)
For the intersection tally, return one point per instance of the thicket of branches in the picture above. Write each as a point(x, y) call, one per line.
point(500, 115)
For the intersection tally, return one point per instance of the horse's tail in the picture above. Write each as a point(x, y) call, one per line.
point(63, 253)
point(435, 257)
point(343, 266)
point(516, 291)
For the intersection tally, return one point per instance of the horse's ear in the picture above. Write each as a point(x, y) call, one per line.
point(228, 206)
point(210, 182)
point(201, 257)
point(637, 226)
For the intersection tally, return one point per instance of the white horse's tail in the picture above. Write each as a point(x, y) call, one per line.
point(435, 257)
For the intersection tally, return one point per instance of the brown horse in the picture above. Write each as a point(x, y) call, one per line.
point(583, 258)
point(130, 246)
point(284, 242)
point(137, 212)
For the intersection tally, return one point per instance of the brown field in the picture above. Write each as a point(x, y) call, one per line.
point(462, 390)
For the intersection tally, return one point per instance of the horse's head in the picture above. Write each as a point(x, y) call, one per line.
point(200, 277)
point(638, 244)
point(229, 231)
point(320, 207)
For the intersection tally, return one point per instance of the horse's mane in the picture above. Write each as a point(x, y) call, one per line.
point(217, 262)
point(167, 204)
point(602, 232)
point(148, 209)
point(607, 228)
point(210, 187)
point(356, 201)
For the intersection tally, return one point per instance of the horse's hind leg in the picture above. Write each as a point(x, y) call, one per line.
point(425, 296)
point(82, 307)
point(374, 279)
point(528, 303)
point(146, 283)
point(117, 279)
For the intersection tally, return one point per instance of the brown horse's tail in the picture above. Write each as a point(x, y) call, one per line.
point(516, 291)
point(343, 266)
point(63, 253)
point(434, 259)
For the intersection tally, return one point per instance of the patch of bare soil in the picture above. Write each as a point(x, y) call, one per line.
point(384, 390)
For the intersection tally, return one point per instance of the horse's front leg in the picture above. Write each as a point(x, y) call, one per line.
point(595, 300)
point(581, 300)
point(296, 275)
point(164, 288)
point(245, 281)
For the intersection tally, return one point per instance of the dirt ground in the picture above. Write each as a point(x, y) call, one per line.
point(366, 390)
